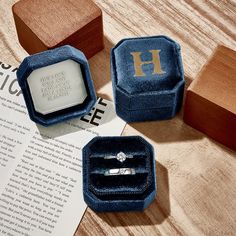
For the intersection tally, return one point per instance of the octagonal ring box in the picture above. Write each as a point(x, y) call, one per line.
point(128, 192)
point(56, 85)
point(148, 78)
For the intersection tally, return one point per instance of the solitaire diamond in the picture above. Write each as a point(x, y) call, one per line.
point(121, 157)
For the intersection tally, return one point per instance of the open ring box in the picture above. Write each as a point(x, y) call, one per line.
point(56, 85)
point(104, 191)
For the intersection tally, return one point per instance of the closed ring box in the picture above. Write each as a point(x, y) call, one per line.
point(60, 75)
point(119, 192)
point(148, 78)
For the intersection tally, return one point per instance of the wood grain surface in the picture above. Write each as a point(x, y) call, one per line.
point(210, 101)
point(78, 23)
point(196, 176)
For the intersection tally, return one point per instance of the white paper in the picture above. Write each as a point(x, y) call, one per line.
point(40, 168)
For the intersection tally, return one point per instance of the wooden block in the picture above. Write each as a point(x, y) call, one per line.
point(47, 24)
point(211, 98)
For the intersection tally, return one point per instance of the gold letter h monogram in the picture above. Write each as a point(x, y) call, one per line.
point(155, 61)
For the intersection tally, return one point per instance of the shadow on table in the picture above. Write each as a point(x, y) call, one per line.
point(173, 130)
point(156, 213)
point(98, 116)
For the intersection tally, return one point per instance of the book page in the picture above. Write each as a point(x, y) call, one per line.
point(41, 167)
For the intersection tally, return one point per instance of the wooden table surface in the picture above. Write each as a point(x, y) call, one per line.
point(196, 176)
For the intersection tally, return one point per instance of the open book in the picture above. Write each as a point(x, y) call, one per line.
point(40, 168)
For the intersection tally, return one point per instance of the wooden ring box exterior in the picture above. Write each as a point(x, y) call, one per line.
point(46, 24)
point(210, 104)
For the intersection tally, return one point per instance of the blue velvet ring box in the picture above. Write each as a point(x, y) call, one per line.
point(118, 192)
point(147, 78)
point(47, 59)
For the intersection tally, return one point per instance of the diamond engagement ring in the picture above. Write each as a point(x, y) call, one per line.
point(121, 157)
point(121, 171)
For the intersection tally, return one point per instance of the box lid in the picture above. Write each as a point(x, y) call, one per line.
point(147, 65)
point(52, 57)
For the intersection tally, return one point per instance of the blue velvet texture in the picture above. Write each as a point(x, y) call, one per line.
point(123, 192)
point(47, 58)
point(152, 96)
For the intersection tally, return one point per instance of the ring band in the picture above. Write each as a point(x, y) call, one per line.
point(121, 171)
point(121, 157)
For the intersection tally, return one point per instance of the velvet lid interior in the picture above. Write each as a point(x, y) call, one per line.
point(119, 187)
point(169, 60)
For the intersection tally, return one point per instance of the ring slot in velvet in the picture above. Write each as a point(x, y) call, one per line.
point(103, 185)
point(147, 78)
point(119, 192)
point(47, 58)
